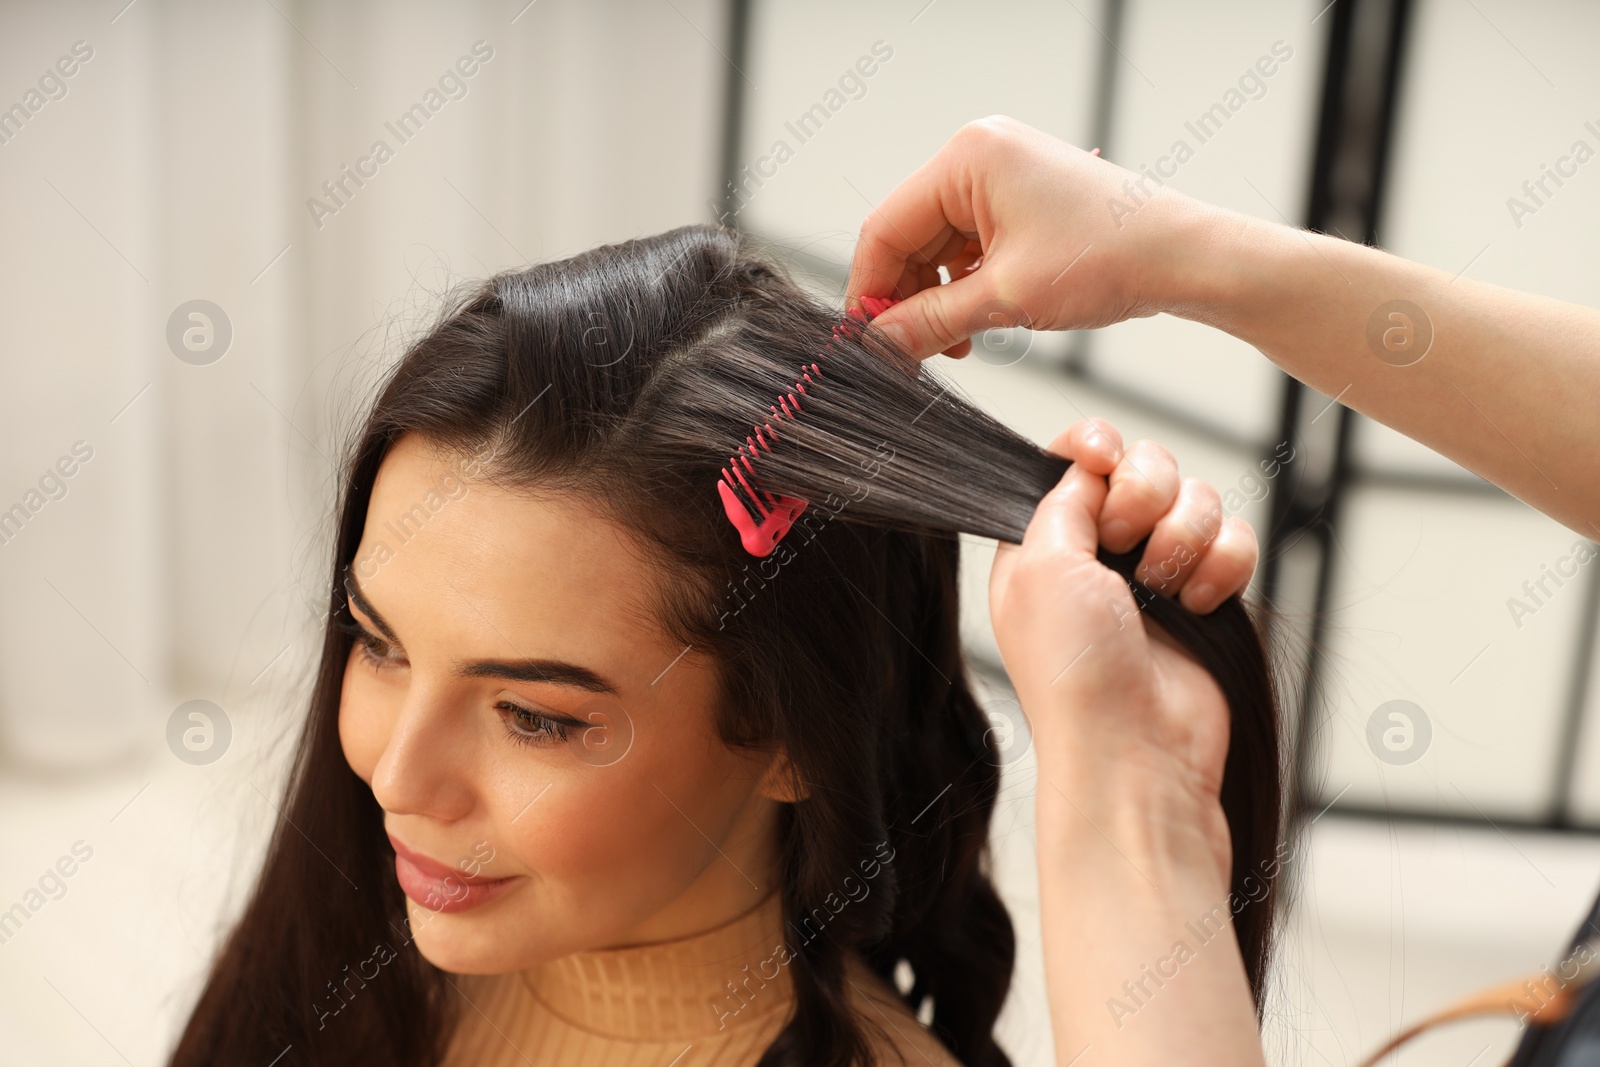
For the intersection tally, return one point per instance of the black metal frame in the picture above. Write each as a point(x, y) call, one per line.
point(1362, 77)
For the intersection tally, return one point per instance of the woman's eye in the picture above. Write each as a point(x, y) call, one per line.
point(530, 728)
point(378, 652)
point(374, 649)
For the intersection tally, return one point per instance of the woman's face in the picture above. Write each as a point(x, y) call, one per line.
point(495, 628)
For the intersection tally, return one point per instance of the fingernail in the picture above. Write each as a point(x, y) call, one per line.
point(1118, 536)
point(1202, 598)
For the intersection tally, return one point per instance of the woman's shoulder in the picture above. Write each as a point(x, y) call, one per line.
point(892, 1030)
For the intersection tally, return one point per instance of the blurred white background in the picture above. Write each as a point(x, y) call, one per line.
point(181, 160)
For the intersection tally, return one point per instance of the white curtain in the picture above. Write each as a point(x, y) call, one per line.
point(183, 159)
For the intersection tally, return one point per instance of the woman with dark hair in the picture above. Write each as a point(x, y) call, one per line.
point(587, 779)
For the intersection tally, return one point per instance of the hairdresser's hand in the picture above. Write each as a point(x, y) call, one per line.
point(1101, 687)
point(1035, 232)
point(1131, 736)
point(1024, 224)
point(1195, 552)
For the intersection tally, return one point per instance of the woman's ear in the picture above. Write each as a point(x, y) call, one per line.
point(781, 781)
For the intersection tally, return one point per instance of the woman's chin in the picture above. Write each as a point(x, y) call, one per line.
point(462, 943)
point(476, 942)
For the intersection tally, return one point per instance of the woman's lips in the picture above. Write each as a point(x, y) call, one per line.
point(438, 887)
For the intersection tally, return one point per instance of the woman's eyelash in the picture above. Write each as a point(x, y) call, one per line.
point(531, 728)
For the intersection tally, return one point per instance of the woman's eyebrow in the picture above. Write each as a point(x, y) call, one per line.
point(353, 591)
point(549, 671)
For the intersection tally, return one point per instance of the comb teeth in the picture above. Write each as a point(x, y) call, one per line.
point(763, 518)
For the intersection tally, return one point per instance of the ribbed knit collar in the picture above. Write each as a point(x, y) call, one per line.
point(730, 976)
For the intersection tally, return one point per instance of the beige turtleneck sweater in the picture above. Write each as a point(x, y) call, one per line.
point(686, 1003)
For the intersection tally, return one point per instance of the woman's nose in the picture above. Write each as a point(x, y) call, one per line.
point(425, 766)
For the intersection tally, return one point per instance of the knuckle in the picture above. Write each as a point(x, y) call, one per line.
point(1204, 495)
point(1241, 549)
point(1147, 449)
point(1102, 430)
point(1006, 285)
point(1228, 559)
point(1157, 477)
point(985, 127)
point(1154, 466)
point(1230, 556)
point(1088, 433)
point(1143, 494)
point(1200, 488)
point(989, 133)
point(1242, 533)
point(1197, 530)
point(972, 135)
point(936, 321)
point(1075, 438)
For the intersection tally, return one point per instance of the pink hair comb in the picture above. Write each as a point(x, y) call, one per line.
point(763, 518)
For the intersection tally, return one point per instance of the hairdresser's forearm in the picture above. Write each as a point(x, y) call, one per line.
point(1137, 965)
point(1508, 388)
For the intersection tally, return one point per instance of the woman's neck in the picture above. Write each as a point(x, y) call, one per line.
point(687, 987)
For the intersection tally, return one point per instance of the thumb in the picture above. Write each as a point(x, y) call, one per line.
point(938, 317)
point(1067, 521)
point(1063, 534)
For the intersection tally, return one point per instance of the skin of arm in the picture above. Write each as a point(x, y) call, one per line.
point(1056, 238)
point(1127, 980)
point(1507, 388)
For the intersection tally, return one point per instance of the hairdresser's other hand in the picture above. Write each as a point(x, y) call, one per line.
point(1195, 552)
point(1116, 709)
point(1130, 736)
point(1032, 231)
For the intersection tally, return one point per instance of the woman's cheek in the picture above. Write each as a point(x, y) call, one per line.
point(363, 730)
point(596, 825)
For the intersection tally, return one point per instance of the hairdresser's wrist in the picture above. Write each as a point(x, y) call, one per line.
point(1135, 814)
point(1240, 274)
point(1212, 263)
point(1147, 976)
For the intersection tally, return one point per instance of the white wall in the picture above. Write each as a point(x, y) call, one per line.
point(178, 166)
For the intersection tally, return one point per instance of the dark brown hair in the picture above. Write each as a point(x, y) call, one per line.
point(629, 374)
